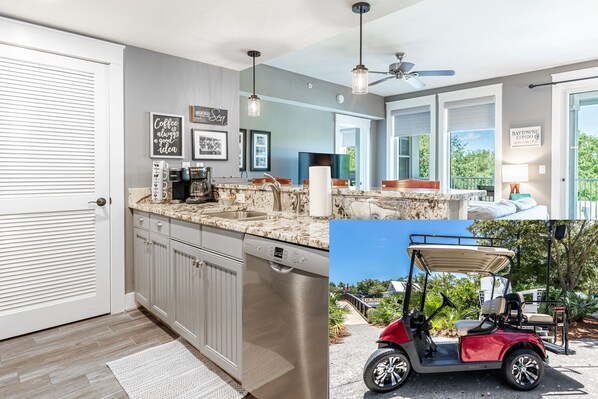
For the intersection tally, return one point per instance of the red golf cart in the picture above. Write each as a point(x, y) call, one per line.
point(503, 338)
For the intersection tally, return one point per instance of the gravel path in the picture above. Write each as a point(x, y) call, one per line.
point(566, 377)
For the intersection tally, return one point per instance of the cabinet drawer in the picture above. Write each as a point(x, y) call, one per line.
point(141, 220)
point(187, 232)
point(160, 225)
point(226, 242)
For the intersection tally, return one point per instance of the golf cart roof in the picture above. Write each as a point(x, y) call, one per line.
point(460, 258)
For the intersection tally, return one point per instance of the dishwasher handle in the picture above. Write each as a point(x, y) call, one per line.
point(280, 268)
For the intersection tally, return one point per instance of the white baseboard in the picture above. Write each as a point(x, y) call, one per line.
point(130, 301)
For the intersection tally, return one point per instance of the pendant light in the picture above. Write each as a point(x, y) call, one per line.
point(360, 72)
point(253, 104)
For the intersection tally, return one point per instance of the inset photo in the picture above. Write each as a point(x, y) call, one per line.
point(446, 309)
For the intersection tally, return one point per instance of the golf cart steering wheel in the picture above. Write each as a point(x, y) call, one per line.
point(448, 302)
point(445, 302)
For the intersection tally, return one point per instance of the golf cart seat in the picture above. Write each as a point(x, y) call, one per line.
point(491, 310)
point(516, 313)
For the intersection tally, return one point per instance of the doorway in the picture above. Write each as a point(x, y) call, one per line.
point(583, 152)
point(352, 137)
point(574, 181)
point(61, 245)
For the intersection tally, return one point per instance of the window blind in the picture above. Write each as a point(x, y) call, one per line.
point(473, 114)
point(412, 121)
point(348, 137)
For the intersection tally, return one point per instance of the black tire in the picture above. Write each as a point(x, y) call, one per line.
point(386, 370)
point(523, 369)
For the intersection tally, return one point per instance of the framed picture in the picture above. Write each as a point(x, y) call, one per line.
point(166, 135)
point(525, 137)
point(210, 145)
point(242, 150)
point(260, 151)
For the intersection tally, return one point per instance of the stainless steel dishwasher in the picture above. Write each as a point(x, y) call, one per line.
point(285, 320)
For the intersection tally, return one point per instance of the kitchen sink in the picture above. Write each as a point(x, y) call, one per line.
point(242, 215)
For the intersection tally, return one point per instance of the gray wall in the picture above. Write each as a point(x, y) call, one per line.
point(293, 129)
point(521, 107)
point(299, 118)
point(162, 83)
point(289, 86)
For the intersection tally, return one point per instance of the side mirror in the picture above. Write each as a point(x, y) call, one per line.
point(560, 231)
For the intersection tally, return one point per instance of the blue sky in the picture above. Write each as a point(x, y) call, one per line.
point(588, 119)
point(477, 139)
point(377, 249)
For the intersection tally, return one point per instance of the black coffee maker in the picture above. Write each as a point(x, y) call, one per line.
point(200, 189)
point(180, 187)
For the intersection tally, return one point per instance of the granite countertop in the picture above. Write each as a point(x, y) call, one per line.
point(405, 193)
point(288, 227)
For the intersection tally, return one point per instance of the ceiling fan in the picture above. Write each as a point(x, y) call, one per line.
point(404, 71)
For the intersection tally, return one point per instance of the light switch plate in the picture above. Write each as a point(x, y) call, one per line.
point(542, 169)
point(241, 198)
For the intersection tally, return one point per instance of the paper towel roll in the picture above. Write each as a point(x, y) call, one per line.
point(320, 191)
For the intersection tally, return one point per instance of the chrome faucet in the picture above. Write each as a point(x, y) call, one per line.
point(276, 189)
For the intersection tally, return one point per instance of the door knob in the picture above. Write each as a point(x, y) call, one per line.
point(99, 202)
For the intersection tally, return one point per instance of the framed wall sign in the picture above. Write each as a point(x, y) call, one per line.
point(242, 150)
point(209, 116)
point(210, 145)
point(260, 151)
point(166, 135)
point(525, 137)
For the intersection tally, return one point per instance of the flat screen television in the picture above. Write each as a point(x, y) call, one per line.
point(339, 164)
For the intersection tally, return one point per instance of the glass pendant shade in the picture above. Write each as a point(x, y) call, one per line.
point(253, 105)
point(360, 80)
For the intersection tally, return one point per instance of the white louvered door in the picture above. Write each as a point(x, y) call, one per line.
point(54, 161)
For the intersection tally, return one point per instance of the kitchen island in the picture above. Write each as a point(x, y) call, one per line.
point(375, 203)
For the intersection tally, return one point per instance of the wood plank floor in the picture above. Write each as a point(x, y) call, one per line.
point(70, 361)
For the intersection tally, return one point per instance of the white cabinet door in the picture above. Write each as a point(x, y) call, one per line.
point(142, 259)
point(222, 295)
point(161, 291)
point(186, 274)
point(54, 165)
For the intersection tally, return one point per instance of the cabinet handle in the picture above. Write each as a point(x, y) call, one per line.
point(140, 219)
point(159, 224)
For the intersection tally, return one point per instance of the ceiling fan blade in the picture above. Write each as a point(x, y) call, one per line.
point(413, 82)
point(381, 80)
point(406, 66)
point(448, 72)
point(381, 73)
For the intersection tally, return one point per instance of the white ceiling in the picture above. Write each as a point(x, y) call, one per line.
point(479, 39)
point(217, 32)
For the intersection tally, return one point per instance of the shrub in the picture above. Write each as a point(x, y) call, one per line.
point(336, 317)
point(387, 311)
point(579, 306)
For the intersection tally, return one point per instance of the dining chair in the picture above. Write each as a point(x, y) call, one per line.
point(411, 183)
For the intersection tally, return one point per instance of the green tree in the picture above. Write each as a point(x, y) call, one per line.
point(587, 156)
point(574, 258)
point(466, 163)
point(424, 155)
point(352, 153)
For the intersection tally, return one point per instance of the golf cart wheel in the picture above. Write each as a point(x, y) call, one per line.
point(386, 369)
point(523, 369)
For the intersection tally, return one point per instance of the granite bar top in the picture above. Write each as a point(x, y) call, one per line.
point(287, 227)
point(404, 193)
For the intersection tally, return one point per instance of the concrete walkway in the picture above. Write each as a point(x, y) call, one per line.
point(567, 376)
point(353, 318)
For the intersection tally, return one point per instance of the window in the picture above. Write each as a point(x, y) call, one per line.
point(411, 138)
point(469, 143)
